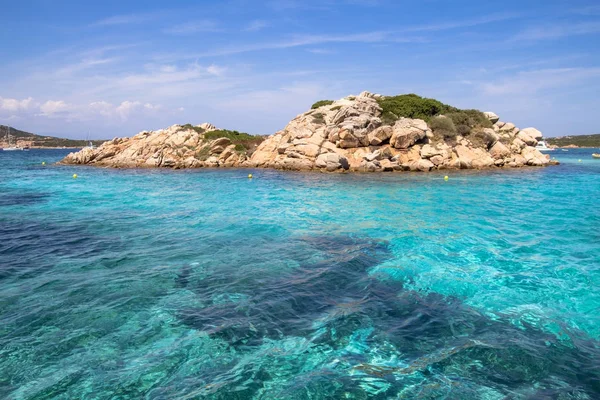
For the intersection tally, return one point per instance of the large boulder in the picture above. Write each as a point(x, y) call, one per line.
point(331, 162)
point(380, 135)
point(499, 151)
point(533, 133)
point(406, 132)
point(534, 157)
point(492, 116)
point(526, 138)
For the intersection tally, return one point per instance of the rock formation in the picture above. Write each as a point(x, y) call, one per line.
point(347, 134)
point(179, 146)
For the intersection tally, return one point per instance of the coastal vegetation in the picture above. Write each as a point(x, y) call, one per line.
point(576, 140)
point(195, 128)
point(443, 126)
point(443, 119)
point(242, 141)
point(321, 103)
point(24, 138)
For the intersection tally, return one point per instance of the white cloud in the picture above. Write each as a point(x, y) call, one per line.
point(52, 108)
point(256, 25)
point(189, 28)
point(152, 107)
point(216, 70)
point(124, 19)
point(126, 108)
point(320, 51)
point(102, 108)
point(556, 31)
point(14, 105)
point(530, 82)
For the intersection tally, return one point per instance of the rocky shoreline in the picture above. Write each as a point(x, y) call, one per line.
point(350, 134)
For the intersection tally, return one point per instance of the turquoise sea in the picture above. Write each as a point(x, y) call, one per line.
point(162, 284)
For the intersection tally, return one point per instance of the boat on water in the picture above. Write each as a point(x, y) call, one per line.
point(11, 145)
point(596, 155)
point(542, 146)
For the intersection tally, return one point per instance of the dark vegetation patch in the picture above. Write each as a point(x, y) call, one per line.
point(203, 153)
point(481, 139)
point(429, 110)
point(443, 126)
point(321, 103)
point(412, 106)
point(44, 141)
point(195, 128)
point(318, 118)
point(243, 141)
point(578, 140)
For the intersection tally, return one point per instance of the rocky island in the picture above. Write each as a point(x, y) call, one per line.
point(368, 132)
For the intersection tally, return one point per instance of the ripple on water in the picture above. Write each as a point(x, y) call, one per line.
point(189, 284)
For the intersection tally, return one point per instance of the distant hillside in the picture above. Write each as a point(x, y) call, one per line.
point(576, 140)
point(32, 140)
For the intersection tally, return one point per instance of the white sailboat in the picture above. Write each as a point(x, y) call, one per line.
point(90, 144)
point(11, 146)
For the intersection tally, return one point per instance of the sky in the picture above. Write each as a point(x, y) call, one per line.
point(113, 68)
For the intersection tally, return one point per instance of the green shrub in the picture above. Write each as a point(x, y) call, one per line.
point(443, 126)
point(482, 139)
point(203, 153)
point(470, 118)
point(336, 108)
point(318, 118)
point(321, 103)
point(463, 130)
point(412, 106)
point(190, 126)
point(240, 139)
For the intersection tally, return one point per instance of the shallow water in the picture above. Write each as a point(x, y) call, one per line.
point(205, 284)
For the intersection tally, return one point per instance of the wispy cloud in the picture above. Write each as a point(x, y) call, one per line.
point(320, 51)
point(124, 19)
point(530, 82)
point(443, 26)
point(557, 31)
point(589, 10)
point(256, 25)
point(189, 28)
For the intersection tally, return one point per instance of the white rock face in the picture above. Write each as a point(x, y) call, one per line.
point(492, 116)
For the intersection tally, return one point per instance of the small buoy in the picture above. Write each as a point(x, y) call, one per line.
point(43, 162)
point(249, 176)
point(579, 160)
point(446, 178)
point(74, 176)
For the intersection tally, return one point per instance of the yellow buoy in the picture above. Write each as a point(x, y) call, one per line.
point(43, 162)
point(74, 176)
point(250, 176)
point(579, 160)
point(446, 178)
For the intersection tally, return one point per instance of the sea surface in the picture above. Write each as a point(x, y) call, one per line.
point(190, 284)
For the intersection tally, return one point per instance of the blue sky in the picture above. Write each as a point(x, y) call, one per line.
point(113, 68)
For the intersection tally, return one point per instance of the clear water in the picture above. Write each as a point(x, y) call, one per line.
point(159, 284)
